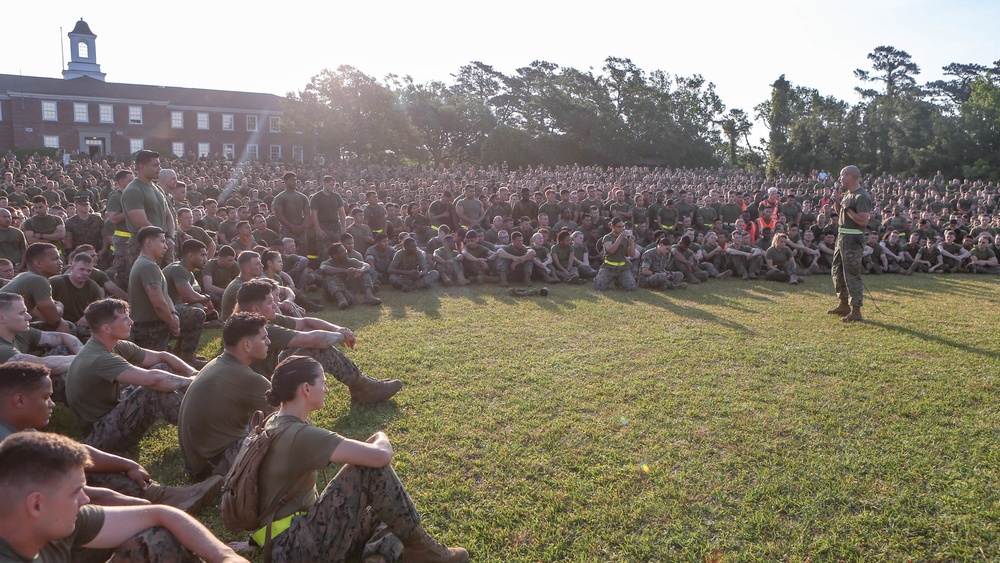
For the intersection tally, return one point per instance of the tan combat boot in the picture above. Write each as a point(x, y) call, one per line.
point(371, 299)
point(842, 309)
point(190, 499)
point(368, 391)
point(418, 547)
point(854, 316)
point(342, 301)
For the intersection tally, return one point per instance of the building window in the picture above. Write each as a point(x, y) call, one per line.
point(50, 141)
point(252, 152)
point(229, 151)
point(49, 112)
point(298, 155)
point(178, 149)
point(81, 113)
point(107, 113)
point(136, 145)
point(177, 119)
point(135, 116)
point(202, 121)
point(83, 50)
point(203, 149)
point(251, 122)
point(228, 122)
point(275, 152)
point(275, 124)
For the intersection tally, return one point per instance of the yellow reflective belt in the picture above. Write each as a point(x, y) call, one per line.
point(312, 256)
point(435, 228)
point(123, 234)
point(278, 527)
point(378, 230)
point(618, 264)
point(844, 231)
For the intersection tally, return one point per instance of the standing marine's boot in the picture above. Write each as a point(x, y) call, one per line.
point(854, 316)
point(418, 547)
point(842, 309)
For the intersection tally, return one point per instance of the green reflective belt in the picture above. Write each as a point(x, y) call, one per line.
point(434, 227)
point(123, 234)
point(616, 264)
point(278, 527)
point(378, 230)
point(844, 231)
point(312, 256)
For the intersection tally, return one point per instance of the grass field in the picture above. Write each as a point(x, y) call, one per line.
point(733, 421)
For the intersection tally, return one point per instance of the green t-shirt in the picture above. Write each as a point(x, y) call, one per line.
point(74, 299)
point(293, 205)
point(778, 257)
point(280, 332)
point(216, 408)
point(619, 255)
point(327, 207)
point(227, 229)
point(147, 197)
point(43, 226)
point(176, 273)
point(860, 202)
point(92, 389)
point(89, 521)
point(229, 297)
point(220, 276)
point(301, 448)
point(144, 272)
point(561, 254)
point(12, 244)
point(33, 287)
point(23, 342)
point(984, 255)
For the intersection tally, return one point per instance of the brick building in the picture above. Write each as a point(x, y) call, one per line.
point(81, 113)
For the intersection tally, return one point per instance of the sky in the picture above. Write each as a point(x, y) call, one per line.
point(740, 46)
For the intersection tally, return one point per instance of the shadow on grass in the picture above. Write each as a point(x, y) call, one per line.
point(991, 354)
point(680, 308)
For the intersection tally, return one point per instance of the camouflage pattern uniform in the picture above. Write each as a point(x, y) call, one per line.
point(662, 277)
point(126, 252)
point(127, 423)
point(363, 511)
point(86, 231)
point(620, 274)
point(846, 269)
point(155, 335)
point(334, 362)
point(524, 268)
point(381, 260)
point(156, 545)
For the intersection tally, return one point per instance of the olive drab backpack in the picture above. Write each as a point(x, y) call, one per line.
point(241, 488)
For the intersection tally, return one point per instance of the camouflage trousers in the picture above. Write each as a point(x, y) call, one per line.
point(355, 284)
point(691, 274)
point(586, 272)
point(155, 545)
point(783, 274)
point(846, 270)
point(334, 362)
point(155, 335)
point(363, 511)
point(407, 283)
point(744, 266)
point(621, 275)
point(220, 463)
point(126, 424)
point(571, 274)
point(520, 272)
point(661, 280)
point(125, 255)
point(58, 381)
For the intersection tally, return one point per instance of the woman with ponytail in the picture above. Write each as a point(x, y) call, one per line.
point(364, 509)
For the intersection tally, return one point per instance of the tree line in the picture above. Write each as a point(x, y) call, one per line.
point(545, 114)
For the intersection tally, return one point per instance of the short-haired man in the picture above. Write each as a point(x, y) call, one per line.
point(449, 263)
point(409, 269)
point(43, 262)
point(108, 363)
point(44, 515)
point(478, 259)
point(18, 339)
point(153, 311)
point(291, 208)
point(215, 409)
point(218, 273)
point(191, 305)
point(26, 404)
point(745, 259)
point(654, 268)
point(12, 241)
point(853, 209)
point(75, 290)
point(515, 259)
point(145, 205)
point(43, 226)
point(344, 275)
point(84, 227)
point(982, 259)
point(251, 267)
point(309, 336)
